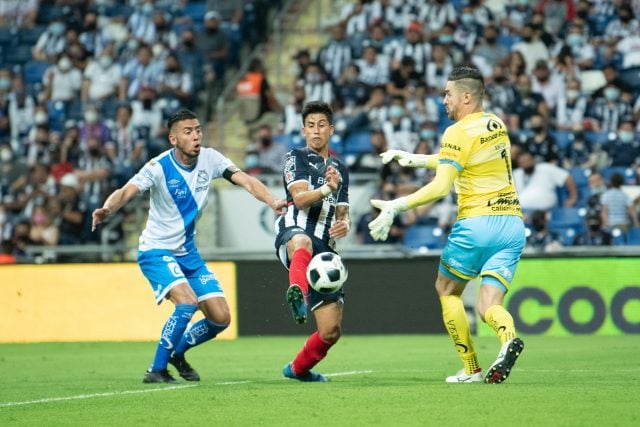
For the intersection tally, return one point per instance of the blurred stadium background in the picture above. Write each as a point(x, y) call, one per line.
point(86, 87)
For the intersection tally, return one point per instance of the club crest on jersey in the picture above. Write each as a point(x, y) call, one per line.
point(203, 177)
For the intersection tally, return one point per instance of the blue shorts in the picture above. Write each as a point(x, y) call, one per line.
point(163, 270)
point(315, 298)
point(489, 246)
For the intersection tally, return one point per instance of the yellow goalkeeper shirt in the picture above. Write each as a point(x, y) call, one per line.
point(478, 147)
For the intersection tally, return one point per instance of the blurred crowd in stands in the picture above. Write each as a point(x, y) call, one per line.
point(563, 75)
point(86, 86)
point(85, 90)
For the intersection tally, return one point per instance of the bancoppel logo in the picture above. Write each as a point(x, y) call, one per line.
point(203, 177)
point(173, 183)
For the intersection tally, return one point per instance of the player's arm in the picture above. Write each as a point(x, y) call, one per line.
point(342, 225)
point(435, 190)
point(114, 202)
point(304, 197)
point(406, 159)
point(257, 189)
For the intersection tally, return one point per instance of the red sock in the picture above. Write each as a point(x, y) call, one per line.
point(298, 269)
point(314, 350)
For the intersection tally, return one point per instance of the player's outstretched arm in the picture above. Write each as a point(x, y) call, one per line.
point(114, 202)
point(258, 190)
point(410, 160)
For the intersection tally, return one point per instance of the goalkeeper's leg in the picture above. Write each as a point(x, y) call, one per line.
point(457, 325)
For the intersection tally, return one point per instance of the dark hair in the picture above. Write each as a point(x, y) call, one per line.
point(179, 116)
point(616, 180)
point(317, 107)
point(468, 79)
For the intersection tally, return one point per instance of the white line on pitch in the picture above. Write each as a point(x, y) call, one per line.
point(90, 396)
point(340, 374)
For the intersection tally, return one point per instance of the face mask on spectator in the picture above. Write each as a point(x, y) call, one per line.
point(40, 118)
point(157, 49)
point(427, 134)
point(147, 8)
point(64, 64)
point(91, 116)
point(5, 83)
point(5, 155)
point(611, 93)
point(625, 136)
point(57, 28)
point(529, 170)
point(574, 39)
point(94, 151)
point(572, 94)
point(105, 61)
point(251, 161)
point(467, 18)
point(396, 111)
point(445, 38)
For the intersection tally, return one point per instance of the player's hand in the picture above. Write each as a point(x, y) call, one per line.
point(405, 159)
point(279, 206)
point(340, 228)
point(380, 226)
point(98, 216)
point(332, 178)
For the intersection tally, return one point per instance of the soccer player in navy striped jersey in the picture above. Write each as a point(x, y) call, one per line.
point(317, 189)
point(178, 180)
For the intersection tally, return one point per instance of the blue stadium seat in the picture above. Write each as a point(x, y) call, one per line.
point(581, 178)
point(33, 71)
point(599, 138)
point(8, 37)
point(17, 55)
point(567, 235)
point(631, 77)
point(633, 236)
point(508, 40)
point(567, 218)
point(563, 138)
point(30, 35)
point(195, 10)
point(424, 236)
point(359, 142)
point(628, 174)
point(619, 237)
point(336, 144)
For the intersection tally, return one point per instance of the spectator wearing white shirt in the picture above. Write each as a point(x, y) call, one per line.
point(62, 81)
point(572, 107)
point(618, 210)
point(531, 47)
point(437, 13)
point(336, 54)
point(413, 46)
point(176, 83)
point(374, 67)
point(550, 85)
point(140, 23)
point(52, 42)
point(537, 183)
point(101, 77)
point(138, 72)
point(624, 26)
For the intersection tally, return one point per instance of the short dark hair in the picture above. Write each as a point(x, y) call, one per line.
point(468, 78)
point(616, 180)
point(317, 107)
point(179, 116)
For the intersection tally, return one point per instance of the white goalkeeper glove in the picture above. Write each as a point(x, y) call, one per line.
point(405, 159)
point(380, 226)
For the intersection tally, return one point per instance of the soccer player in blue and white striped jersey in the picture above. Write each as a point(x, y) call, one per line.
point(317, 188)
point(178, 180)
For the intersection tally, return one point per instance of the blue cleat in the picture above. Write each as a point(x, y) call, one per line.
point(308, 377)
point(297, 304)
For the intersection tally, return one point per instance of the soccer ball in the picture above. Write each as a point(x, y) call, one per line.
point(326, 273)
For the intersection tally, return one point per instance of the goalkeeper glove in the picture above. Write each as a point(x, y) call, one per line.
point(379, 227)
point(404, 158)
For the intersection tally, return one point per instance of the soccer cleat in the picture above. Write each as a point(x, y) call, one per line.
point(162, 376)
point(184, 369)
point(463, 377)
point(501, 368)
point(308, 377)
point(295, 299)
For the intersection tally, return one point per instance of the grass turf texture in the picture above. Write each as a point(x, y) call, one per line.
point(574, 381)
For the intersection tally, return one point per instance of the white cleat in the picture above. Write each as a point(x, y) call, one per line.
point(463, 377)
point(501, 368)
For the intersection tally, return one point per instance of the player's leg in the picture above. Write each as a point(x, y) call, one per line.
point(168, 281)
point(299, 252)
point(497, 273)
point(455, 321)
point(185, 305)
point(459, 263)
point(217, 318)
point(328, 318)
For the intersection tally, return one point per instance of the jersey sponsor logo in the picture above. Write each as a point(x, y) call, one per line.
point(450, 146)
point(504, 202)
point(180, 193)
point(493, 124)
point(453, 333)
point(493, 136)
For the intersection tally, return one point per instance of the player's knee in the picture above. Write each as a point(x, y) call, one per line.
point(330, 335)
point(223, 318)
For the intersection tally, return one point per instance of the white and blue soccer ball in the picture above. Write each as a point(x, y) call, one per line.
point(326, 273)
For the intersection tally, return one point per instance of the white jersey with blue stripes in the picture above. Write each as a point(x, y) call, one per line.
point(178, 195)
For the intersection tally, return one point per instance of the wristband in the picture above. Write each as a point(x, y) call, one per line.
point(347, 223)
point(325, 190)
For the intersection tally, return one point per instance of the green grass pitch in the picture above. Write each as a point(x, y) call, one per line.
point(393, 380)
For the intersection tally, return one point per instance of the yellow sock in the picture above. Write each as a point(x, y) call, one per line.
point(500, 321)
point(457, 324)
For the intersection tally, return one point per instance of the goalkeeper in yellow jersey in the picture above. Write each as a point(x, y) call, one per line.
point(488, 236)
